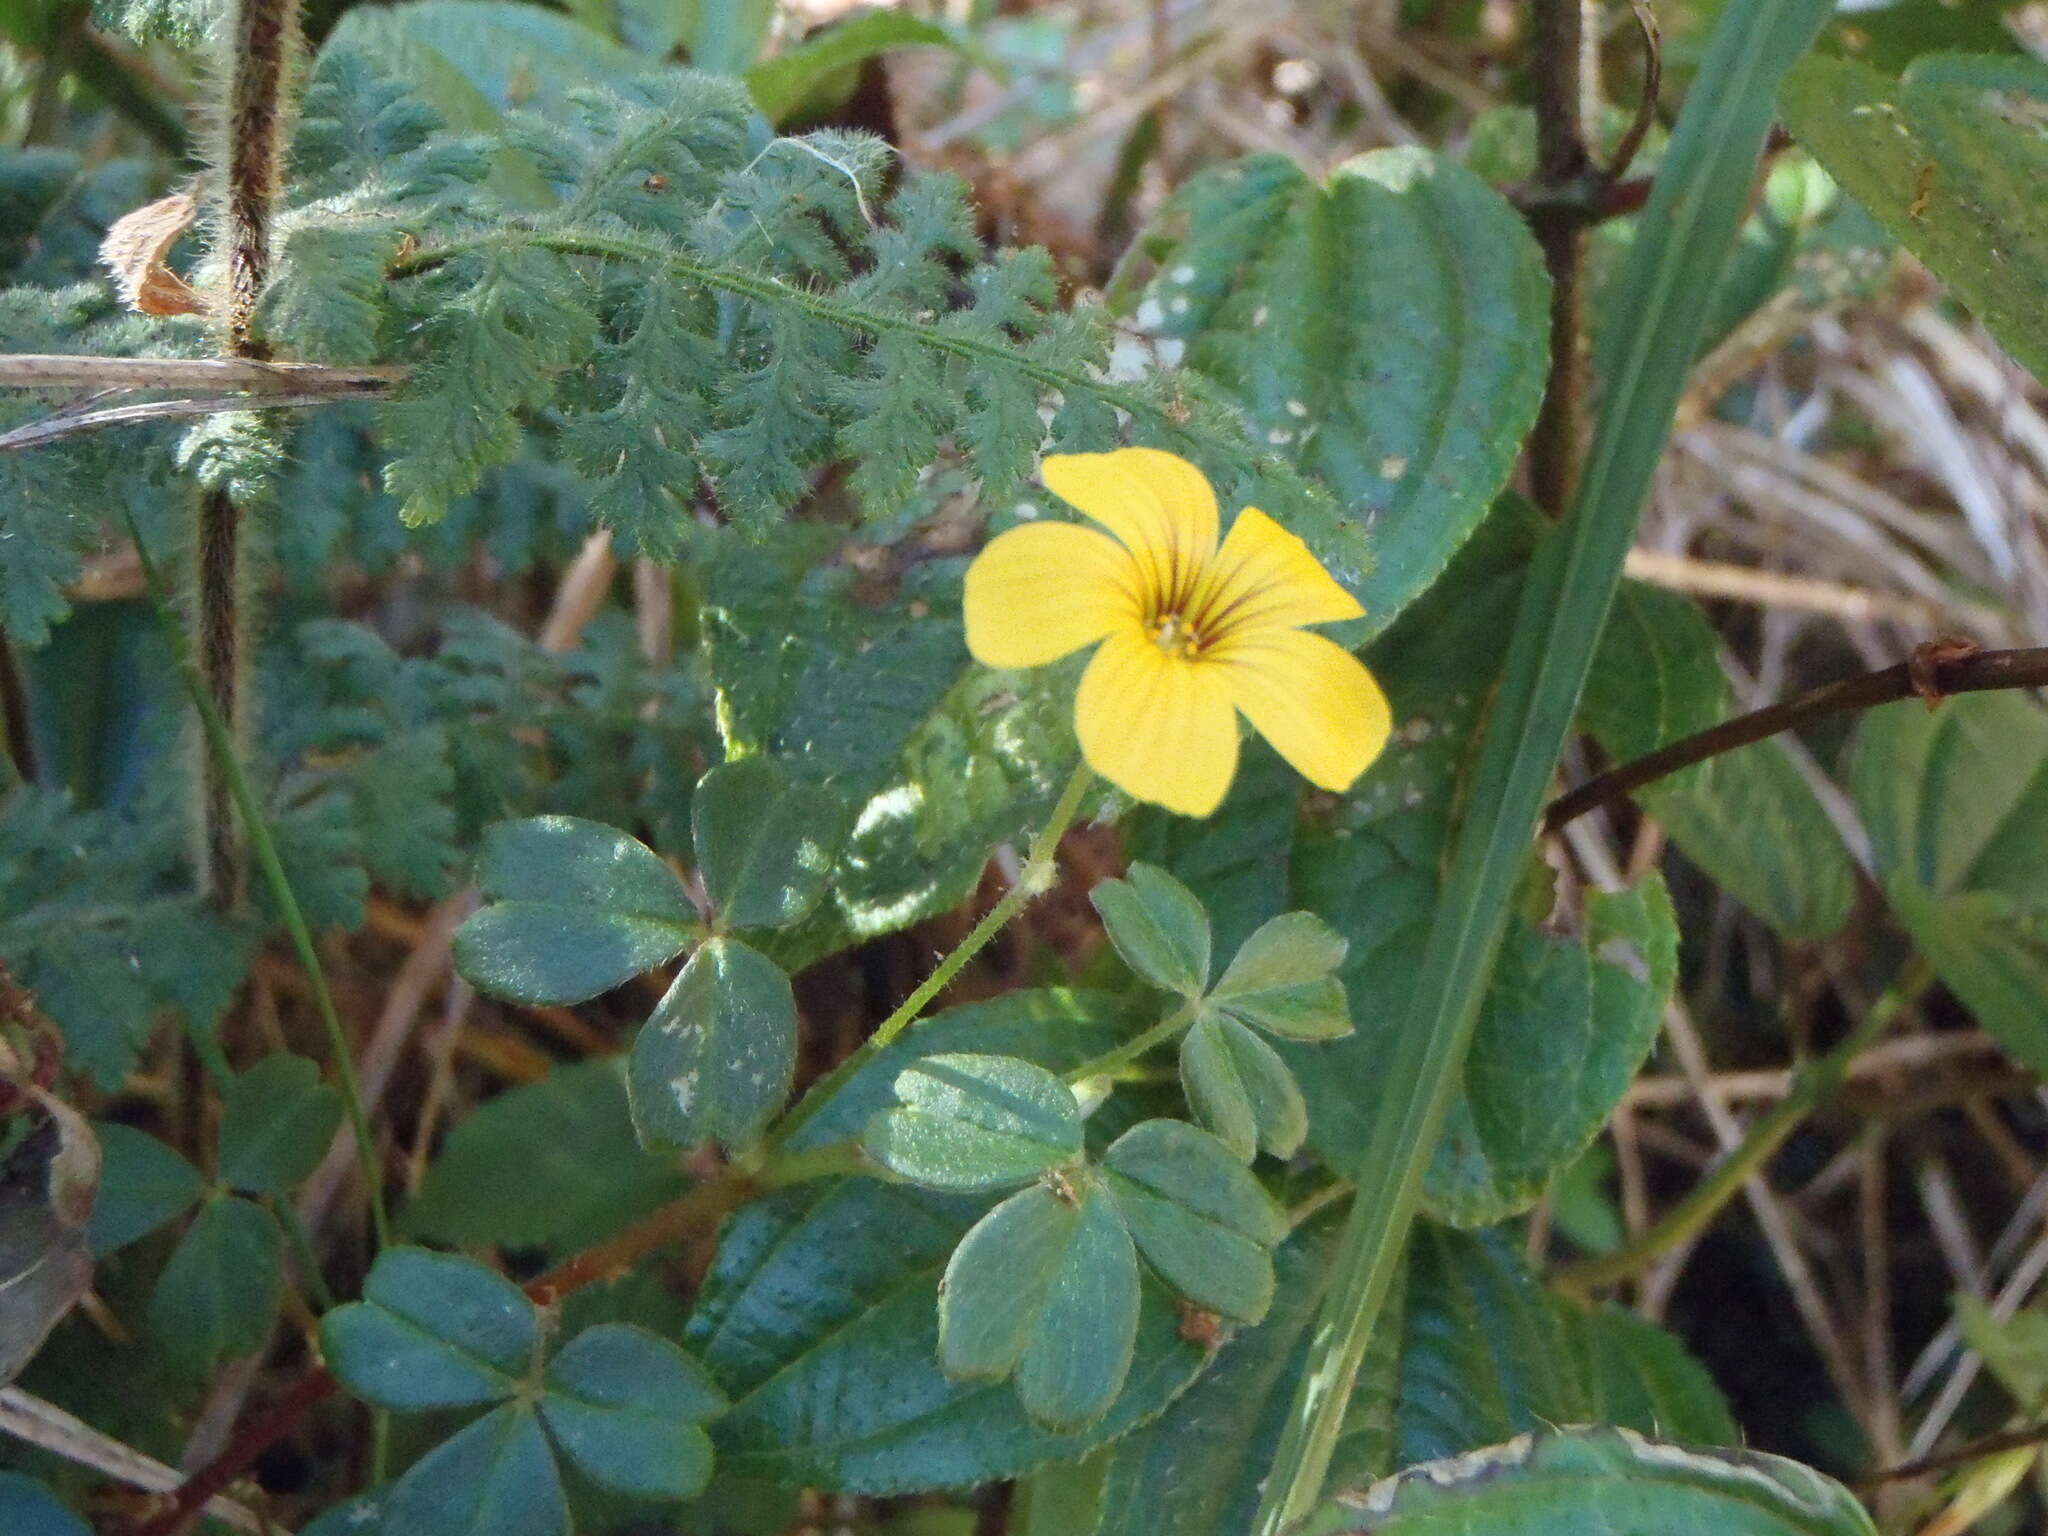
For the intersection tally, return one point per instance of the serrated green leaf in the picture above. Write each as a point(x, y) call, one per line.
point(716, 1057)
point(498, 1475)
point(1474, 1351)
point(967, 1123)
point(143, 1184)
point(625, 1405)
point(576, 908)
point(1198, 1216)
point(276, 1122)
point(764, 845)
point(1386, 331)
point(1241, 1090)
point(1641, 1377)
point(1575, 1013)
point(27, 1508)
point(1950, 158)
point(2015, 1348)
point(1745, 817)
point(219, 1293)
point(820, 1316)
point(554, 1162)
point(1044, 1286)
point(432, 1331)
point(1956, 802)
point(1158, 927)
point(1562, 1483)
point(1562, 1032)
point(1282, 980)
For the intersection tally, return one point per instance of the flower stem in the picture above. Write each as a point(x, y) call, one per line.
point(1032, 880)
point(1111, 1061)
point(228, 766)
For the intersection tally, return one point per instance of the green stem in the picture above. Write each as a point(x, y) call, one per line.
point(317, 1291)
point(1662, 294)
point(1166, 1029)
point(769, 290)
point(221, 747)
point(1032, 880)
point(1812, 1086)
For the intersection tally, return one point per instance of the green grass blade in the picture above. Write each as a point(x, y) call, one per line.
point(1701, 196)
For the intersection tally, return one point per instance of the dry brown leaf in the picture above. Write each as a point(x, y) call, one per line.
point(134, 252)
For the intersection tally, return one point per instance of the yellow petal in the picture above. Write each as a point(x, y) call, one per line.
point(1265, 577)
point(1311, 698)
point(1158, 727)
point(1043, 590)
point(1158, 503)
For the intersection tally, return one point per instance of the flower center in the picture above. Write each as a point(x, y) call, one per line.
point(1177, 636)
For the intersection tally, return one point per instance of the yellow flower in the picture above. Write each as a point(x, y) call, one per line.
point(1191, 633)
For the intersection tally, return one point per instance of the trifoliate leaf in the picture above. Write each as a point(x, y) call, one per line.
point(969, 1123)
point(1158, 927)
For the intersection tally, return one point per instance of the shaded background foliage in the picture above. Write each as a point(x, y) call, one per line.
point(712, 394)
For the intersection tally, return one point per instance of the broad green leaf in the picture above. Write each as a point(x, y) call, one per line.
point(576, 908)
point(626, 1406)
point(1950, 158)
point(967, 1123)
point(820, 1316)
point(1575, 1014)
point(1386, 330)
point(1158, 926)
point(764, 845)
point(2015, 1348)
point(498, 1475)
point(27, 1508)
point(1745, 817)
point(219, 1293)
point(1283, 980)
point(143, 1184)
point(276, 1121)
point(1475, 1352)
point(1563, 1483)
point(1241, 1090)
point(792, 80)
point(554, 1162)
point(1956, 802)
point(1198, 1216)
point(1044, 1286)
point(715, 1059)
point(1640, 1376)
point(432, 1331)
point(1562, 1032)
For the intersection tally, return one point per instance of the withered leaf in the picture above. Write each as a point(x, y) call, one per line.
point(134, 251)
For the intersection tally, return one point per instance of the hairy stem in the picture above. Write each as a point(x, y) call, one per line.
point(262, 45)
point(228, 767)
point(1813, 1086)
point(1168, 1028)
point(1032, 880)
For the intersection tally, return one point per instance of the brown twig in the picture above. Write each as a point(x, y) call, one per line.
point(64, 370)
point(242, 1453)
point(1976, 1450)
point(1557, 218)
point(1972, 672)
